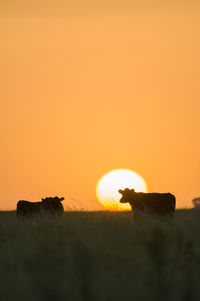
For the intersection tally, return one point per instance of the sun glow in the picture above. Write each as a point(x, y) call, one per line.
point(108, 186)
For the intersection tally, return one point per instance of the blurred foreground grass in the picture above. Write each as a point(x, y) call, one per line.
point(100, 256)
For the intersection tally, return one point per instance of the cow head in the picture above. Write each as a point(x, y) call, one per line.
point(127, 195)
point(53, 205)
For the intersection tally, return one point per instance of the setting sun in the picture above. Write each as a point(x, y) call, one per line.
point(111, 182)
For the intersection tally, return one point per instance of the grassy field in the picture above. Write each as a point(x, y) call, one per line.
point(100, 256)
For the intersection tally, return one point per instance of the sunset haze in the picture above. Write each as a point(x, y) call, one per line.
point(92, 86)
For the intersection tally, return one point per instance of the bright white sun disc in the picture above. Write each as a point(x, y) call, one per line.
point(111, 182)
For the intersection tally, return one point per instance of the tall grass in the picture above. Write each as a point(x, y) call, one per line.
point(100, 256)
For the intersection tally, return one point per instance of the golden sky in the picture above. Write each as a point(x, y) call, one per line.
point(91, 86)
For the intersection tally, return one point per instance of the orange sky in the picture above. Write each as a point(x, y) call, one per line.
point(91, 86)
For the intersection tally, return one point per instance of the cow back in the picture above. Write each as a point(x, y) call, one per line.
point(157, 203)
point(25, 208)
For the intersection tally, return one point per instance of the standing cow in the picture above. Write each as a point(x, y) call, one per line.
point(48, 205)
point(196, 203)
point(154, 203)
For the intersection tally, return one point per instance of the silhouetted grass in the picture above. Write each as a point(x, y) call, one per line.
point(100, 256)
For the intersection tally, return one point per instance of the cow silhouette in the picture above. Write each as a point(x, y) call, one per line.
point(50, 205)
point(153, 203)
point(196, 203)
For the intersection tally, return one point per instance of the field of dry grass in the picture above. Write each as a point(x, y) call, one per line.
point(100, 256)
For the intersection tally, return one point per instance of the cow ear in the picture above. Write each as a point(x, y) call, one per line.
point(43, 200)
point(62, 199)
point(120, 191)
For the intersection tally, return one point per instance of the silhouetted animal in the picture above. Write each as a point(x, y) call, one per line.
point(196, 203)
point(48, 205)
point(53, 205)
point(154, 203)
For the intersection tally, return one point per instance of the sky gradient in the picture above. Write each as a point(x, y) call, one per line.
point(87, 88)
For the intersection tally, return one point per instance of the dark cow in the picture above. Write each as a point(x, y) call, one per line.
point(48, 205)
point(196, 203)
point(154, 203)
